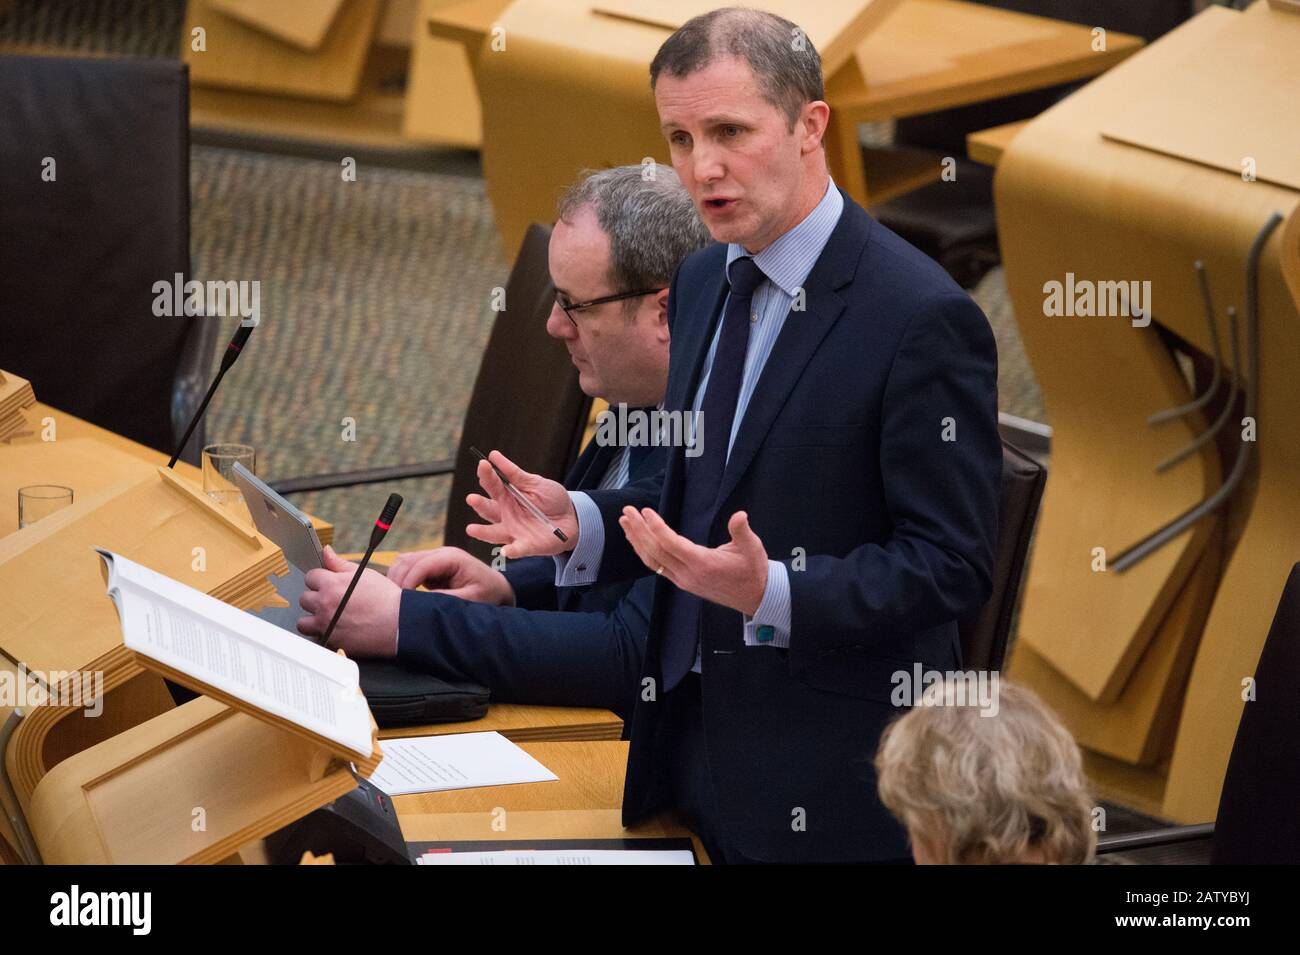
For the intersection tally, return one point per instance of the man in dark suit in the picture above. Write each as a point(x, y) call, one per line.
point(620, 237)
point(842, 513)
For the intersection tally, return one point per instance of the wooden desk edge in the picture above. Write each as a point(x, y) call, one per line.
point(987, 145)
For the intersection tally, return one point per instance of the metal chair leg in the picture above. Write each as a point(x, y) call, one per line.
point(1199, 441)
point(1162, 536)
point(1170, 413)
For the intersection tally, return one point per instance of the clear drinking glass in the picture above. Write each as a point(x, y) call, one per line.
point(219, 470)
point(40, 500)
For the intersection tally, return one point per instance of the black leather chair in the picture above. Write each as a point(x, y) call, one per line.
point(526, 401)
point(984, 632)
point(1258, 821)
point(94, 170)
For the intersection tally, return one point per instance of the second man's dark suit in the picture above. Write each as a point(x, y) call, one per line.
point(558, 646)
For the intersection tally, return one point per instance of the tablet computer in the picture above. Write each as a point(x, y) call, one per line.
point(279, 520)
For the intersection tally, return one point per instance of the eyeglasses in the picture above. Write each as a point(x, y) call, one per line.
point(569, 309)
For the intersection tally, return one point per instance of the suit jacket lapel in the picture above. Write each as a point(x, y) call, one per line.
point(800, 336)
point(698, 336)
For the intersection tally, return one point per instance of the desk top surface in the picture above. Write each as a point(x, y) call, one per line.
point(584, 803)
point(68, 426)
point(935, 54)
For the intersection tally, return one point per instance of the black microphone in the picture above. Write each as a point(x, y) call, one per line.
point(377, 533)
point(232, 352)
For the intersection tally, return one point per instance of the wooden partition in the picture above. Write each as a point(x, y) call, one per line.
point(1118, 183)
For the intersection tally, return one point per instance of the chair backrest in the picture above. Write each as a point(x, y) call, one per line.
point(526, 401)
point(1258, 822)
point(984, 631)
point(94, 171)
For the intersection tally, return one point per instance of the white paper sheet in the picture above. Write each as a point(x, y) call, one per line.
point(562, 857)
point(424, 764)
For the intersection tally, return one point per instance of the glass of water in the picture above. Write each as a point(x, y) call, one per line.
point(40, 500)
point(219, 471)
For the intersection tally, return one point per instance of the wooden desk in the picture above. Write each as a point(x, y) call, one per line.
point(938, 54)
point(466, 22)
point(988, 145)
point(521, 722)
point(585, 802)
point(303, 23)
point(85, 465)
point(243, 57)
point(350, 79)
point(69, 426)
point(441, 99)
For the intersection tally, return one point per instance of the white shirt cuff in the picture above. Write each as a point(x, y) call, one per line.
point(770, 625)
point(581, 565)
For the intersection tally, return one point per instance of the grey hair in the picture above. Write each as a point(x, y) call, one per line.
point(780, 55)
point(650, 220)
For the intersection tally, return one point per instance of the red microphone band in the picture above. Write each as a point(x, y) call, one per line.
point(382, 526)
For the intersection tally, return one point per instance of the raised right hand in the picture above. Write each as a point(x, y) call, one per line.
point(509, 523)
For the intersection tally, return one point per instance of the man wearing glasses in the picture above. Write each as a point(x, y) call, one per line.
point(620, 236)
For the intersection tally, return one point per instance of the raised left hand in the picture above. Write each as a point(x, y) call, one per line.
point(733, 575)
point(368, 627)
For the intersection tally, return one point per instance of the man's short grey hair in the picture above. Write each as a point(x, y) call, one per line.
point(779, 54)
point(650, 220)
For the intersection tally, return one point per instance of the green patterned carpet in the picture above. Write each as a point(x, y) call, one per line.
point(375, 302)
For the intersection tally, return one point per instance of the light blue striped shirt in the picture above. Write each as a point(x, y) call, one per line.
point(786, 264)
point(617, 473)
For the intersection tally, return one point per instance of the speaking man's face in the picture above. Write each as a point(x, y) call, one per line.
point(735, 152)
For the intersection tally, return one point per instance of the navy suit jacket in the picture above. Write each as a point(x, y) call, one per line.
point(869, 463)
point(564, 647)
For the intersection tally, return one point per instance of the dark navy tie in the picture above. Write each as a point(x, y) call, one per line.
point(704, 473)
point(637, 453)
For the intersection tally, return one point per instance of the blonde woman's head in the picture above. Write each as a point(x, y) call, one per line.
point(973, 788)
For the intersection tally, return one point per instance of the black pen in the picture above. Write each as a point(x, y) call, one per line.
point(533, 509)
